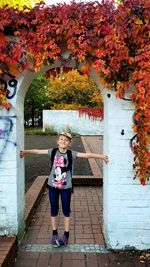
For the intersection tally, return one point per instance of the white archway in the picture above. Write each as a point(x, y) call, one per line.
point(125, 216)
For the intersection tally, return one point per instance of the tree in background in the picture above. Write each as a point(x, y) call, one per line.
point(73, 91)
point(36, 100)
point(66, 91)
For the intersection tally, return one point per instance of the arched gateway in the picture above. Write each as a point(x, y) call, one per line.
point(126, 203)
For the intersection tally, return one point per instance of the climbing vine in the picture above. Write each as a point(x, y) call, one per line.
point(92, 113)
point(115, 41)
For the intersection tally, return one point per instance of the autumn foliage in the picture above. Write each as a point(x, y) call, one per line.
point(115, 41)
point(19, 4)
point(71, 90)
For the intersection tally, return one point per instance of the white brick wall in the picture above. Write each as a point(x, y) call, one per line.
point(9, 197)
point(11, 166)
point(126, 202)
point(62, 119)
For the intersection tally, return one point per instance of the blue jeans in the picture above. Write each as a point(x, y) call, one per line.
point(65, 200)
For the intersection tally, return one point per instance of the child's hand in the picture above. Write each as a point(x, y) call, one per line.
point(21, 154)
point(105, 158)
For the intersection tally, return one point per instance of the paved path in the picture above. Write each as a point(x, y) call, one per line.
point(94, 144)
point(86, 246)
point(46, 259)
point(86, 219)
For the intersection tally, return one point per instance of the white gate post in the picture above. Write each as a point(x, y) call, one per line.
point(126, 201)
point(12, 194)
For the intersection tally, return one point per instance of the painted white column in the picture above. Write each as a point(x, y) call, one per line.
point(12, 184)
point(11, 169)
point(126, 201)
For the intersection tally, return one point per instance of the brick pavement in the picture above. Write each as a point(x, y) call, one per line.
point(86, 231)
point(86, 219)
point(38, 259)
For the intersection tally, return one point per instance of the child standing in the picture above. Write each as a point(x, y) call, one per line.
point(60, 181)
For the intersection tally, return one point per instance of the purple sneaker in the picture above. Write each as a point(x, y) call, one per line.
point(62, 241)
point(54, 241)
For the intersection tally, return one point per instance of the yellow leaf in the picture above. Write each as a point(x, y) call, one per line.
point(103, 82)
point(138, 21)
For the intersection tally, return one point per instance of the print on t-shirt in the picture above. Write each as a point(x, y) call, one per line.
point(60, 172)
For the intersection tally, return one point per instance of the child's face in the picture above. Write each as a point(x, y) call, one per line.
point(64, 142)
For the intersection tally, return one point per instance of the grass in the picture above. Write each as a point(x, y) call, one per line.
point(39, 131)
point(50, 131)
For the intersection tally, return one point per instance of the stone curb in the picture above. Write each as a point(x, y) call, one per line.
point(8, 250)
point(33, 197)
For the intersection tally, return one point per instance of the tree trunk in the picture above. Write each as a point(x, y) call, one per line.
point(33, 111)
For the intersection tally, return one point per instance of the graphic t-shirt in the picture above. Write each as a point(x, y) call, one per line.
point(60, 177)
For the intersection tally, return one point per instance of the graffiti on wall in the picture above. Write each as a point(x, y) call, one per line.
point(6, 122)
point(12, 85)
point(6, 94)
point(6, 127)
